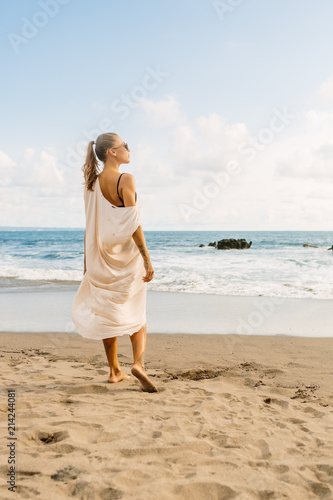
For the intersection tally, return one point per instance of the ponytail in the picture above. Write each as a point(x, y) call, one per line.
point(90, 167)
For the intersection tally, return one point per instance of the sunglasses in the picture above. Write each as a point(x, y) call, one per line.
point(125, 146)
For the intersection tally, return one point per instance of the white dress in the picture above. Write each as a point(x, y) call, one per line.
point(111, 299)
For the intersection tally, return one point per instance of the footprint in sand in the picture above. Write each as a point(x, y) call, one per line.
point(65, 448)
point(87, 389)
point(66, 473)
point(199, 374)
point(26, 492)
point(102, 372)
point(34, 434)
point(280, 469)
point(76, 423)
point(313, 412)
point(29, 473)
point(295, 420)
point(280, 402)
point(84, 378)
point(110, 494)
point(323, 472)
point(204, 489)
point(321, 490)
point(263, 446)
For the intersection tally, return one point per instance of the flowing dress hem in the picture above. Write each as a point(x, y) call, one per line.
point(86, 334)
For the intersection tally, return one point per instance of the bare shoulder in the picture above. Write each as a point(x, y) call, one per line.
point(128, 181)
point(127, 190)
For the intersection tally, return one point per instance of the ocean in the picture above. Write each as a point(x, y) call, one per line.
point(276, 265)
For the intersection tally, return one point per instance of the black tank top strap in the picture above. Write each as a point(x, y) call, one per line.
point(118, 191)
point(120, 198)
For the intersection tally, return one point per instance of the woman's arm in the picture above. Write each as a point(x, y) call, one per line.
point(127, 191)
point(139, 240)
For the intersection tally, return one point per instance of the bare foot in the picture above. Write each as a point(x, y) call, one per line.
point(118, 376)
point(140, 374)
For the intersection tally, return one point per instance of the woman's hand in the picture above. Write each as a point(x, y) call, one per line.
point(139, 240)
point(149, 271)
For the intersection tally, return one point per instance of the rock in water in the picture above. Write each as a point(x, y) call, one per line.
point(233, 244)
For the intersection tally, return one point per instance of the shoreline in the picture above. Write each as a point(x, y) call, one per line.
point(9, 284)
point(49, 310)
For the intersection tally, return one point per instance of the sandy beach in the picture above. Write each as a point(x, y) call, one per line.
point(246, 417)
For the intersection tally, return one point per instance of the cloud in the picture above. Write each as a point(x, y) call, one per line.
point(7, 166)
point(39, 173)
point(318, 119)
point(325, 91)
point(302, 164)
point(29, 153)
point(208, 143)
point(315, 164)
point(322, 193)
point(37, 193)
point(322, 164)
point(205, 143)
point(308, 149)
point(175, 163)
point(6, 161)
point(164, 113)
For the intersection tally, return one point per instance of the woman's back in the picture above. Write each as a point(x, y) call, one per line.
point(111, 187)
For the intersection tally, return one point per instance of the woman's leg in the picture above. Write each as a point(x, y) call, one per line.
point(110, 346)
point(138, 340)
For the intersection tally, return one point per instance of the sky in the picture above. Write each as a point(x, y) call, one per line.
point(227, 107)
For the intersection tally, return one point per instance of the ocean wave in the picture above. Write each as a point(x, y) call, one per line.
point(188, 282)
point(41, 274)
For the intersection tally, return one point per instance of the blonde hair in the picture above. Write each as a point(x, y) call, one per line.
point(90, 167)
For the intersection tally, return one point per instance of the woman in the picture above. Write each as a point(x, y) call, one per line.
point(111, 299)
